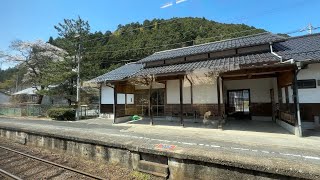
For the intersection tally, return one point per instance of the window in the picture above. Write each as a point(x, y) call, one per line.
point(307, 83)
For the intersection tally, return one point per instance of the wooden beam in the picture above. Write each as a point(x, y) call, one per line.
point(181, 101)
point(259, 70)
point(251, 77)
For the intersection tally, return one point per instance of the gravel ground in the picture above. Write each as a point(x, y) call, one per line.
point(32, 169)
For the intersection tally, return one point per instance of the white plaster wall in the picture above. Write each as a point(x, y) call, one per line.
point(259, 88)
point(290, 92)
point(173, 92)
point(186, 92)
point(275, 88)
point(107, 95)
point(310, 95)
point(202, 93)
point(205, 94)
point(130, 98)
point(283, 94)
point(121, 98)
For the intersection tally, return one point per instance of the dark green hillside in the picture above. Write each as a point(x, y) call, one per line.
point(137, 40)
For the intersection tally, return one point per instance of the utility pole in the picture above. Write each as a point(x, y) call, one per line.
point(78, 83)
point(310, 28)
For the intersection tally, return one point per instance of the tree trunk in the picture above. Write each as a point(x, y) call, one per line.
point(69, 102)
point(40, 97)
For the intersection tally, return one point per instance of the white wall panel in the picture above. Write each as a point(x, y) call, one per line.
point(259, 88)
point(107, 95)
point(205, 94)
point(121, 98)
point(283, 93)
point(130, 98)
point(173, 92)
point(310, 95)
point(186, 92)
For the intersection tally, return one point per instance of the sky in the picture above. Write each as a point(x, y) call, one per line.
point(30, 20)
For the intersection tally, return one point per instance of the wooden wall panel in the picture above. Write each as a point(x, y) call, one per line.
point(285, 78)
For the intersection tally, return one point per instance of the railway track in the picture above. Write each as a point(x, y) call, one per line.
point(20, 165)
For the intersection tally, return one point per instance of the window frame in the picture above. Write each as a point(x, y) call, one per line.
point(300, 84)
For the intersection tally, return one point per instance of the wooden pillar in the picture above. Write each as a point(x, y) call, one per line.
point(181, 100)
point(219, 96)
point(150, 105)
point(115, 99)
point(100, 97)
point(296, 105)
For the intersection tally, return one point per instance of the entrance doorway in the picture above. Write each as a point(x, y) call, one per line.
point(157, 102)
point(239, 103)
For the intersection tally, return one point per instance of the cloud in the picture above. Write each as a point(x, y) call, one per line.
point(180, 1)
point(166, 5)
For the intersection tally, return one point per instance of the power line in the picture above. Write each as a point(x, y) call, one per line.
point(134, 29)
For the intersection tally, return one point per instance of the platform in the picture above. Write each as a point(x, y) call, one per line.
point(266, 151)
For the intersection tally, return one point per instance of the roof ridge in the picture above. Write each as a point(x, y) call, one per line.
point(251, 35)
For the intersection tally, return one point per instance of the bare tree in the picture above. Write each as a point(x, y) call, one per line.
point(145, 80)
point(36, 57)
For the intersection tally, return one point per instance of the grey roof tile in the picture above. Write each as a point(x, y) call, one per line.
point(119, 73)
point(229, 63)
point(261, 38)
point(300, 48)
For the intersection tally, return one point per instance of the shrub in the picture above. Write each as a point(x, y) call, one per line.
point(62, 114)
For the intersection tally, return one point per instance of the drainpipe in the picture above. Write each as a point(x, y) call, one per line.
point(272, 52)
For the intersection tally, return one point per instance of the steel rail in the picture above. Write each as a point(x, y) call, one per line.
point(54, 164)
point(7, 174)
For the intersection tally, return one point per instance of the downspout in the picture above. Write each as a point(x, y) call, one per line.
point(272, 52)
point(298, 65)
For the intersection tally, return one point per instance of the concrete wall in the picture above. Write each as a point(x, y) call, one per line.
point(169, 165)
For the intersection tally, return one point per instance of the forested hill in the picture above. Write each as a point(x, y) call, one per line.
point(104, 51)
point(137, 40)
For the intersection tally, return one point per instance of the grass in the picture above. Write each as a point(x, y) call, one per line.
point(140, 175)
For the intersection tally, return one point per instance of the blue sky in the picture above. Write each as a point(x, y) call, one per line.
point(29, 20)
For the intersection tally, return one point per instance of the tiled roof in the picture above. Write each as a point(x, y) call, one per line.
point(257, 39)
point(300, 48)
point(230, 63)
point(119, 73)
